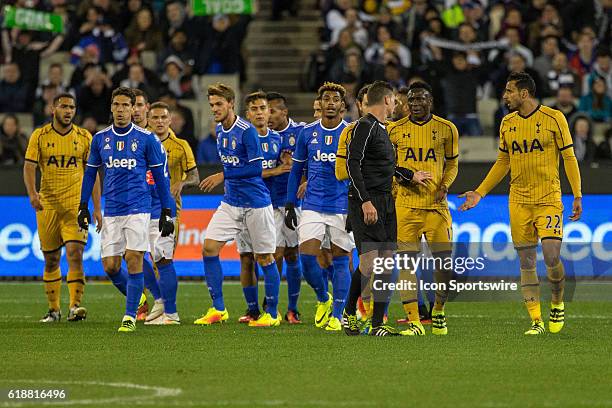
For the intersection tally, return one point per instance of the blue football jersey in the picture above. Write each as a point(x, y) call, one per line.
point(288, 142)
point(317, 146)
point(271, 150)
point(156, 205)
point(126, 155)
point(238, 146)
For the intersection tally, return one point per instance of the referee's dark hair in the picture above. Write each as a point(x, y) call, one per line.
point(420, 85)
point(523, 80)
point(377, 92)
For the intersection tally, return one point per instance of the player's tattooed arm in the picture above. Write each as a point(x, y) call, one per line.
point(193, 179)
point(209, 183)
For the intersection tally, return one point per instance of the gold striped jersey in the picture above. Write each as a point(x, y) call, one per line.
point(61, 159)
point(180, 159)
point(345, 139)
point(428, 146)
point(533, 144)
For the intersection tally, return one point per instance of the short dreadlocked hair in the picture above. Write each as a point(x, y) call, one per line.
point(332, 87)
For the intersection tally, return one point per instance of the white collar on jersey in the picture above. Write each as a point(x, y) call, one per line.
point(289, 123)
point(266, 135)
point(324, 128)
point(122, 134)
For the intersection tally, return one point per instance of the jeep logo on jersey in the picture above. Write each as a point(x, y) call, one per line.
point(134, 145)
point(329, 139)
point(120, 163)
point(120, 145)
point(324, 157)
point(268, 164)
point(233, 160)
point(264, 147)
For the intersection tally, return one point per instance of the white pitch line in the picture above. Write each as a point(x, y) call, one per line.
point(158, 392)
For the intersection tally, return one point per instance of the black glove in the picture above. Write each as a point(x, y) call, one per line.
point(166, 223)
point(403, 175)
point(84, 217)
point(291, 220)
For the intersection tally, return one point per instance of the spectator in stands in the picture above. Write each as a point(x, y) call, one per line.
point(335, 54)
point(602, 68)
point(137, 79)
point(514, 19)
point(549, 17)
point(581, 61)
point(127, 13)
point(474, 15)
point(180, 47)
point(581, 129)
point(188, 127)
point(111, 44)
point(354, 26)
point(566, 102)
point(143, 34)
point(151, 78)
point(13, 91)
point(543, 64)
point(25, 52)
point(460, 85)
point(13, 142)
point(176, 80)
point(175, 19)
point(466, 36)
point(207, 146)
point(604, 149)
point(352, 64)
point(90, 123)
point(43, 104)
point(335, 18)
point(513, 37)
point(394, 74)
point(55, 78)
point(385, 18)
point(560, 75)
point(415, 22)
point(179, 126)
point(95, 97)
point(516, 63)
point(108, 10)
point(220, 50)
point(374, 53)
point(597, 104)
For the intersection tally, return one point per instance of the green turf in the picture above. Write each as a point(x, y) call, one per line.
point(485, 361)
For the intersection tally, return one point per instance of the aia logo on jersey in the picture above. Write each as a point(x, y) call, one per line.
point(264, 147)
point(526, 147)
point(120, 145)
point(62, 161)
point(150, 179)
point(329, 139)
point(420, 154)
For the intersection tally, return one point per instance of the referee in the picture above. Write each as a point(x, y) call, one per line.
point(371, 215)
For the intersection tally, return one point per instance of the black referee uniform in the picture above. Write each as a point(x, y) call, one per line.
point(371, 166)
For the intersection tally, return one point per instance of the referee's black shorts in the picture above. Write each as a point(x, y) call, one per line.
point(379, 236)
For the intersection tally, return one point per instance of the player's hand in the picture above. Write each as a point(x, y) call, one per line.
point(212, 181)
point(98, 219)
point(370, 215)
point(286, 157)
point(576, 209)
point(283, 168)
point(441, 194)
point(35, 202)
point(302, 190)
point(166, 223)
point(176, 189)
point(403, 175)
point(421, 177)
point(84, 217)
point(472, 199)
point(291, 220)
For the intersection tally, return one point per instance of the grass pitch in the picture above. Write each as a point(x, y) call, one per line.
point(485, 361)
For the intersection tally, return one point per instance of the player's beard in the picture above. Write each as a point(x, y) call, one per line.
point(61, 121)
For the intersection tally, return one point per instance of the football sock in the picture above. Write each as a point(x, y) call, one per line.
point(314, 276)
point(120, 279)
point(150, 280)
point(409, 295)
point(168, 285)
point(325, 278)
point(556, 277)
point(135, 286)
point(294, 282)
point(251, 296)
point(341, 282)
point(53, 285)
point(441, 277)
point(76, 286)
point(381, 297)
point(330, 272)
point(358, 282)
point(214, 280)
point(272, 286)
point(530, 287)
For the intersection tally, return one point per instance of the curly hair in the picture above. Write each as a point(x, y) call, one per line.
point(332, 87)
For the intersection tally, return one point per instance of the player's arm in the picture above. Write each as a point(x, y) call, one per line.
point(570, 164)
point(451, 163)
point(157, 162)
point(253, 167)
point(300, 158)
point(29, 170)
point(190, 170)
point(94, 162)
point(340, 169)
point(495, 175)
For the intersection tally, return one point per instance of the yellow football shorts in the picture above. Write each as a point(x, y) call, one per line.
point(413, 223)
point(57, 227)
point(528, 222)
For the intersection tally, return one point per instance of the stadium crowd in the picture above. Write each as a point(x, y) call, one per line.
point(106, 40)
point(467, 48)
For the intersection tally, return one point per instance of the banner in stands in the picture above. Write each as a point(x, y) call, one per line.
point(212, 7)
point(33, 20)
point(483, 231)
